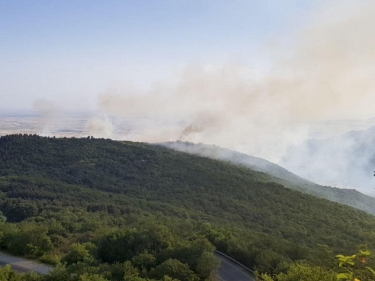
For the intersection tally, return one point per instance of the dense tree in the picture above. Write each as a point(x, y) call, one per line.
point(303, 272)
point(175, 269)
point(147, 210)
point(79, 253)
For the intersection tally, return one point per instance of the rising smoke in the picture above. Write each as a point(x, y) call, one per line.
point(99, 127)
point(48, 113)
point(344, 161)
point(321, 71)
point(325, 74)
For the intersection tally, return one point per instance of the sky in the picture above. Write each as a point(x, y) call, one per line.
point(255, 76)
point(70, 52)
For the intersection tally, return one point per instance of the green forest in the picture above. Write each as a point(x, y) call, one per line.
point(102, 210)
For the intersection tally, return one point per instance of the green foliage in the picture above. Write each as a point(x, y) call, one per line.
point(304, 272)
point(175, 269)
point(6, 274)
point(125, 245)
point(51, 258)
point(144, 260)
point(92, 277)
point(354, 266)
point(28, 239)
point(140, 206)
point(131, 273)
point(16, 211)
point(191, 253)
point(79, 253)
point(206, 264)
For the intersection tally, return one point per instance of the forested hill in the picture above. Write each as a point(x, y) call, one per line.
point(350, 197)
point(241, 211)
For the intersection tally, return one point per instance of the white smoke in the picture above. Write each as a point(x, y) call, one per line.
point(99, 127)
point(48, 114)
point(325, 74)
point(323, 71)
point(346, 161)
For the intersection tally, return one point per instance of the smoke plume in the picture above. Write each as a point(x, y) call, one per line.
point(343, 161)
point(48, 114)
point(322, 71)
point(99, 127)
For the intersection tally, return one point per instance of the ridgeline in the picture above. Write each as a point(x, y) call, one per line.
point(100, 194)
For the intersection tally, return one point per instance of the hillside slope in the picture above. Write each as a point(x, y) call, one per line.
point(348, 197)
point(241, 211)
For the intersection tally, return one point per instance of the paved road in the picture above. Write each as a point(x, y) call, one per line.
point(23, 265)
point(230, 271)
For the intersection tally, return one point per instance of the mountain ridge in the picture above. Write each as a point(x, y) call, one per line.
point(82, 187)
point(350, 197)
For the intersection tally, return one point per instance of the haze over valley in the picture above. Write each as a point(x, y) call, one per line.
point(297, 72)
point(341, 160)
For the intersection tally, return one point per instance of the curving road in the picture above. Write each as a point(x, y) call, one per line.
point(23, 265)
point(230, 270)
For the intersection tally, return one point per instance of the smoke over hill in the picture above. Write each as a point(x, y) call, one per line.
point(343, 161)
point(318, 72)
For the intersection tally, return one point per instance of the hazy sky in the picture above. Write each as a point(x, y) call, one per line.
point(70, 52)
point(253, 76)
point(256, 76)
